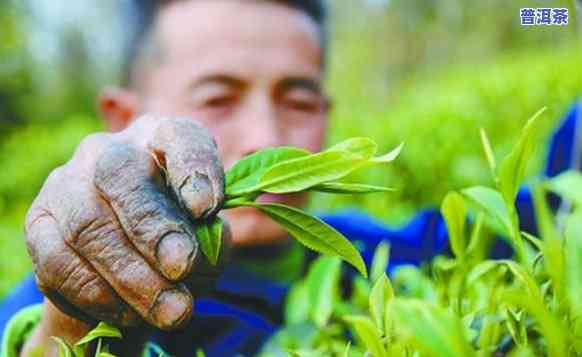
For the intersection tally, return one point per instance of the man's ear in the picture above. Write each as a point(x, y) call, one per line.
point(118, 107)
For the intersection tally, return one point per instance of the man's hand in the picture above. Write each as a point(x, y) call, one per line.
point(111, 232)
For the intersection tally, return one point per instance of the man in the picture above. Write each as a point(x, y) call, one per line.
point(110, 241)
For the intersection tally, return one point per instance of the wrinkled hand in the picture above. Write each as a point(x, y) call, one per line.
point(111, 232)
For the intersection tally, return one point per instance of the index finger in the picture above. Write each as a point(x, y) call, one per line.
point(189, 155)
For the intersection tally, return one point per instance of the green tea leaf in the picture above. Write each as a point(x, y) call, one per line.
point(248, 171)
point(380, 260)
point(481, 270)
point(306, 172)
point(543, 214)
point(347, 350)
point(322, 285)
point(477, 247)
point(512, 168)
point(515, 327)
point(368, 334)
point(389, 157)
point(523, 351)
point(382, 293)
point(297, 304)
point(524, 277)
point(490, 202)
point(535, 241)
point(349, 188)
point(64, 349)
point(489, 154)
point(433, 330)
point(454, 212)
point(365, 148)
point(209, 236)
point(313, 233)
point(551, 326)
point(106, 354)
point(102, 330)
point(410, 281)
point(574, 263)
point(568, 185)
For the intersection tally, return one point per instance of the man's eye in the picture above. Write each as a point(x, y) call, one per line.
point(304, 105)
point(219, 102)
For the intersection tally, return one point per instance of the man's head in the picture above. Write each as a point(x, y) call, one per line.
point(248, 70)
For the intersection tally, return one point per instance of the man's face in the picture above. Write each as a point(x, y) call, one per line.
point(250, 72)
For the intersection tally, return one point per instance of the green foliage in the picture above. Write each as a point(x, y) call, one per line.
point(313, 233)
point(248, 171)
point(468, 305)
point(209, 235)
point(287, 170)
point(99, 334)
point(438, 113)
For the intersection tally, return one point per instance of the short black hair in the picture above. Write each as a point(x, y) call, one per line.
point(144, 12)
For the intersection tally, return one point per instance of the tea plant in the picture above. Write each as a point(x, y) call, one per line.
point(465, 304)
point(280, 170)
point(98, 334)
point(287, 170)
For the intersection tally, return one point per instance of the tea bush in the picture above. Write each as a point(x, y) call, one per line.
point(459, 305)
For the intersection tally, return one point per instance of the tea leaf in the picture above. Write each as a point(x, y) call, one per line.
point(512, 168)
point(248, 171)
point(477, 247)
point(106, 354)
point(535, 241)
point(552, 328)
point(209, 236)
point(489, 154)
point(434, 330)
point(102, 330)
point(382, 293)
point(480, 270)
point(303, 173)
point(568, 185)
point(454, 212)
point(322, 284)
point(380, 260)
point(523, 351)
point(64, 349)
point(347, 350)
point(550, 325)
point(368, 334)
point(365, 148)
point(543, 214)
point(389, 157)
point(490, 202)
point(574, 263)
point(313, 233)
point(297, 304)
point(516, 327)
point(524, 277)
point(349, 188)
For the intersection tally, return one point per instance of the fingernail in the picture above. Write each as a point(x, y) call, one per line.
point(175, 255)
point(173, 309)
point(198, 196)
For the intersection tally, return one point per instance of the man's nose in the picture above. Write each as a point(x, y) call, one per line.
point(261, 128)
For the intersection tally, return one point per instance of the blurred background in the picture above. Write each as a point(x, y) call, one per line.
point(427, 72)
